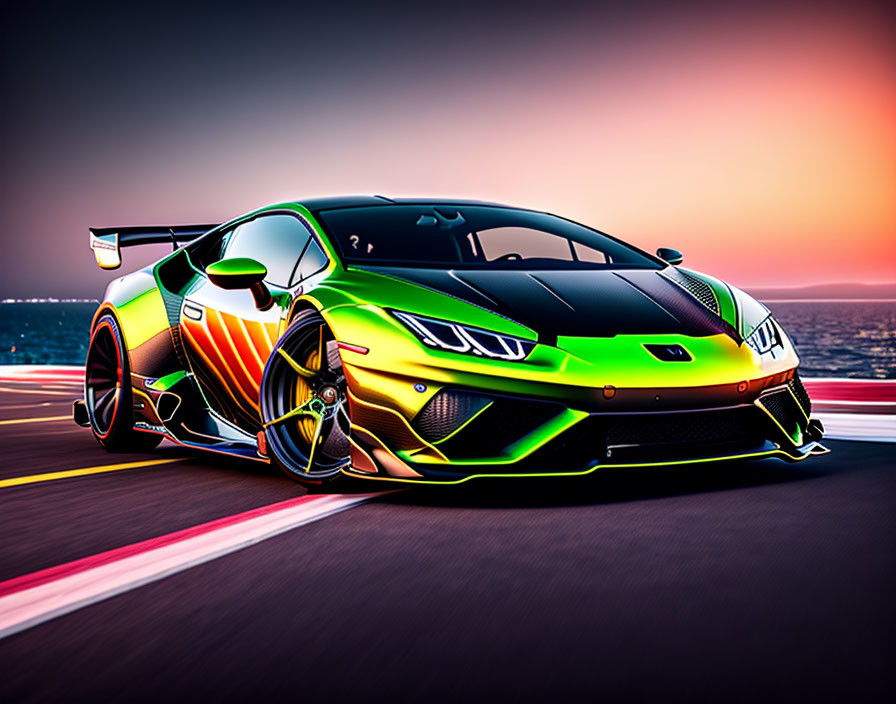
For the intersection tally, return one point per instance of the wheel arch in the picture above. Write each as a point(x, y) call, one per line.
point(108, 308)
point(105, 308)
point(309, 303)
point(302, 304)
point(120, 435)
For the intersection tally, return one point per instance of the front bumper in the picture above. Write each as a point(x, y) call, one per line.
point(460, 434)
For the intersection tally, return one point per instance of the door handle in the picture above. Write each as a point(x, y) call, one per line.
point(193, 312)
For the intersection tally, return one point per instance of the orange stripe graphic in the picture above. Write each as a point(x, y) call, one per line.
point(202, 345)
point(232, 367)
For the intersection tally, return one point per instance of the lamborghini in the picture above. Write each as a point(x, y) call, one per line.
point(433, 341)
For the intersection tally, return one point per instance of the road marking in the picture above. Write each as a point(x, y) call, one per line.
point(55, 371)
point(871, 427)
point(100, 469)
point(38, 597)
point(71, 394)
point(14, 421)
point(41, 379)
point(824, 402)
point(20, 406)
point(832, 390)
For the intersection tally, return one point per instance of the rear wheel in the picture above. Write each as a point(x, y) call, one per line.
point(304, 404)
point(107, 392)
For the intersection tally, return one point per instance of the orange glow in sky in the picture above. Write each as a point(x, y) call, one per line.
point(765, 151)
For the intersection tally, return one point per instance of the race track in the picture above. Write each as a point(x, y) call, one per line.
point(730, 582)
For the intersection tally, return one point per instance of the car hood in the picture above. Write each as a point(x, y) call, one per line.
point(579, 303)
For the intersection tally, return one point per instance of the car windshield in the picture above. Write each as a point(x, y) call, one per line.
point(474, 236)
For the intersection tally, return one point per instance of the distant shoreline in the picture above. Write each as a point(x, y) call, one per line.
point(49, 300)
point(828, 292)
point(828, 300)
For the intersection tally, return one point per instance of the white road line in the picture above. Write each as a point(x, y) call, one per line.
point(68, 394)
point(876, 427)
point(77, 587)
point(27, 370)
point(823, 402)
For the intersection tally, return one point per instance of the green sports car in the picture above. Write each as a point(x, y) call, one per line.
point(433, 341)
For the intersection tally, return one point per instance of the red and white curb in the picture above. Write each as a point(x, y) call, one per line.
point(852, 395)
point(855, 409)
point(868, 427)
point(38, 597)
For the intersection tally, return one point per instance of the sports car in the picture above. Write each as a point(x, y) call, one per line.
point(433, 341)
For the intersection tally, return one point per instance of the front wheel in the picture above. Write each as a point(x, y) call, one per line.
point(304, 404)
point(107, 392)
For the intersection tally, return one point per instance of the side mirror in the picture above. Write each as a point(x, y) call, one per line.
point(673, 256)
point(237, 273)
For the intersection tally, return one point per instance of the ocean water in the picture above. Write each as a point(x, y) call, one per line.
point(841, 338)
point(834, 338)
point(45, 333)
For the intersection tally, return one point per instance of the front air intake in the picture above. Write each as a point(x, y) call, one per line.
point(796, 386)
point(465, 424)
point(446, 412)
point(786, 412)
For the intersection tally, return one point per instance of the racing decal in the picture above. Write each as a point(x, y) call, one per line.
point(235, 349)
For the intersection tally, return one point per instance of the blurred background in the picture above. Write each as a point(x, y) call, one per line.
point(756, 137)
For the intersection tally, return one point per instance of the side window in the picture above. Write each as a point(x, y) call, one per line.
point(207, 250)
point(312, 261)
point(586, 254)
point(276, 241)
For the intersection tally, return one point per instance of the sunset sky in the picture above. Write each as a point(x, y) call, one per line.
point(759, 139)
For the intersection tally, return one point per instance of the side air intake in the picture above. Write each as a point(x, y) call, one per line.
point(446, 412)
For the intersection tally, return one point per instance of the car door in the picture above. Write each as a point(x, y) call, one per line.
point(227, 338)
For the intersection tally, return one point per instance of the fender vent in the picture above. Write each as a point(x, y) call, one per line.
point(700, 290)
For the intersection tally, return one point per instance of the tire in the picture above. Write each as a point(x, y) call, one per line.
point(323, 392)
point(107, 392)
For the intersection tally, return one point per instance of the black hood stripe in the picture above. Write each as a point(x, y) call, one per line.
point(573, 303)
point(552, 291)
point(457, 277)
point(649, 297)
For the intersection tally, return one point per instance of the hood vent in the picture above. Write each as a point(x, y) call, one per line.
point(669, 353)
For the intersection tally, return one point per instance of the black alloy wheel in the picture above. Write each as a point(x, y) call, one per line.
point(304, 403)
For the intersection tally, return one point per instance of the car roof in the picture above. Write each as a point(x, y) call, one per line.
point(340, 202)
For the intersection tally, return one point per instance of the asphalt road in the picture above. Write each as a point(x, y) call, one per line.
point(732, 582)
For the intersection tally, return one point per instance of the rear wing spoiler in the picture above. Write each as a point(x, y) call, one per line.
point(106, 242)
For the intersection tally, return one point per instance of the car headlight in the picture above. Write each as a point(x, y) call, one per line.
point(757, 327)
point(464, 339)
point(765, 336)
